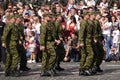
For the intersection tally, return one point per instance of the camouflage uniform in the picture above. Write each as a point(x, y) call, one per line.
point(98, 47)
point(21, 49)
point(10, 38)
point(89, 42)
point(47, 39)
point(86, 37)
point(60, 51)
point(83, 26)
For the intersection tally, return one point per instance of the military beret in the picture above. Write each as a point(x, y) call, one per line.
point(97, 12)
point(45, 15)
point(85, 13)
point(48, 15)
point(18, 16)
point(10, 17)
point(91, 13)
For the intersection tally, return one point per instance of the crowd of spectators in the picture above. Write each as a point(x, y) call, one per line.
point(70, 16)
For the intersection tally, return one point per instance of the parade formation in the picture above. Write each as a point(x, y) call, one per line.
point(84, 31)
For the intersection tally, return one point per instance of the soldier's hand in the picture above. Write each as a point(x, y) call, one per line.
point(21, 38)
point(61, 39)
point(42, 48)
point(57, 42)
point(20, 42)
point(3, 45)
point(81, 45)
point(65, 58)
point(95, 40)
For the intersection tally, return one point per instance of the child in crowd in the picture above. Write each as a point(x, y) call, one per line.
point(32, 47)
point(115, 43)
point(113, 53)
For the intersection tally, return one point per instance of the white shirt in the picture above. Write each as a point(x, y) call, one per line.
point(4, 19)
point(90, 3)
point(40, 13)
point(103, 4)
point(82, 7)
point(37, 28)
point(116, 34)
point(107, 31)
point(27, 31)
point(32, 44)
point(70, 6)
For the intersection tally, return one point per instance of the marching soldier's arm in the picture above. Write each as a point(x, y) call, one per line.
point(42, 35)
point(5, 34)
point(95, 35)
point(99, 30)
point(22, 35)
point(82, 32)
point(58, 30)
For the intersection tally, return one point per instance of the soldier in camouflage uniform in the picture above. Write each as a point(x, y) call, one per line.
point(10, 41)
point(86, 40)
point(83, 26)
point(59, 48)
point(21, 49)
point(92, 18)
point(99, 51)
point(47, 42)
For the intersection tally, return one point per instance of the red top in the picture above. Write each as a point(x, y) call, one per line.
point(71, 29)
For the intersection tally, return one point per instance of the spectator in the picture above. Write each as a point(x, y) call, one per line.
point(4, 18)
point(82, 5)
point(74, 48)
point(107, 27)
point(103, 4)
point(90, 3)
point(36, 25)
point(72, 25)
point(27, 10)
point(113, 53)
point(71, 4)
point(115, 42)
point(114, 21)
point(32, 47)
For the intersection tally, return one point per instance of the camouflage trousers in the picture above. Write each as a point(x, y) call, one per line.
point(60, 53)
point(12, 58)
point(49, 57)
point(23, 58)
point(98, 54)
point(87, 56)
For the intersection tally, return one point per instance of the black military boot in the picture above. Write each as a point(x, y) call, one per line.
point(93, 70)
point(81, 72)
point(59, 68)
point(87, 73)
point(45, 73)
point(15, 73)
point(24, 69)
point(52, 72)
point(7, 73)
point(98, 69)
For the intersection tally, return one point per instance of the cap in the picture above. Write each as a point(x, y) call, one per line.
point(18, 16)
point(10, 16)
point(85, 13)
point(48, 15)
point(91, 13)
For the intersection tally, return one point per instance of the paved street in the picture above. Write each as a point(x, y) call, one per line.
point(111, 72)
